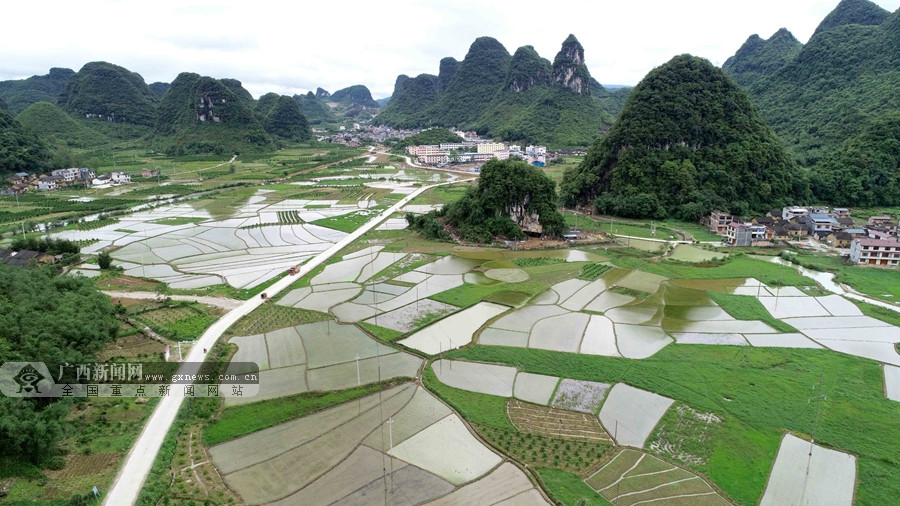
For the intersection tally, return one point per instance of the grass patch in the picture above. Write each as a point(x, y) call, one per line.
point(631, 292)
point(879, 283)
point(767, 391)
point(540, 278)
point(747, 307)
point(348, 222)
point(271, 316)
point(591, 272)
point(126, 231)
point(509, 298)
point(241, 420)
point(569, 489)
point(483, 409)
point(179, 220)
point(879, 313)
point(737, 266)
point(181, 321)
point(383, 333)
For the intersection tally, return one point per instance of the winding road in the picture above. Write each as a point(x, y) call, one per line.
point(133, 473)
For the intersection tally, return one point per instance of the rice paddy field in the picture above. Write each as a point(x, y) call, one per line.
point(412, 371)
point(677, 394)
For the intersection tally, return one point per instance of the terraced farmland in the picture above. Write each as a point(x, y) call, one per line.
point(634, 477)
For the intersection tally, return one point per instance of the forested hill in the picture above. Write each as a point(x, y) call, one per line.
point(511, 198)
point(844, 78)
point(111, 93)
point(853, 12)
point(687, 141)
point(200, 114)
point(522, 97)
point(20, 149)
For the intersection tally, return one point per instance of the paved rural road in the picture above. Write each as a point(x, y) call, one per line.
point(133, 473)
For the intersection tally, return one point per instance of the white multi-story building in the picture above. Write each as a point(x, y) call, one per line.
point(68, 174)
point(120, 177)
point(490, 147)
point(885, 252)
point(458, 146)
point(536, 150)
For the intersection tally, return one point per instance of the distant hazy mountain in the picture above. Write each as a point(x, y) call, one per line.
point(354, 95)
point(687, 141)
point(200, 114)
point(111, 93)
point(19, 94)
point(521, 97)
point(314, 110)
point(159, 89)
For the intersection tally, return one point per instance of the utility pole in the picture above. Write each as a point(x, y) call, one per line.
point(817, 398)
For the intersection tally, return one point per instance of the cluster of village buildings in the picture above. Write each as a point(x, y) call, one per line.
point(874, 242)
point(22, 182)
point(469, 151)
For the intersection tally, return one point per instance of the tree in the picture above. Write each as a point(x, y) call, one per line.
point(104, 260)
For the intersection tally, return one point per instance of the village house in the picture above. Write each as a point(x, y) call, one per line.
point(883, 252)
point(120, 178)
point(842, 240)
point(744, 234)
point(820, 225)
point(149, 173)
point(840, 212)
point(717, 222)
point(49, 183)
point(24, 257)
point(883, 222)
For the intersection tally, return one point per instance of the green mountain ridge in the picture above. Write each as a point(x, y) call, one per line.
point(760, 57)
point(844, 78)
point(853, 12)
point(522, 97)
point(19, 94)
point(687, 141)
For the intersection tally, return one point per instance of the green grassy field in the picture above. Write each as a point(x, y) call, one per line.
point(237, 421)
point(758, 393)
point(875, 282)
point(746, 307)
point(271, 316)
point(569, 489)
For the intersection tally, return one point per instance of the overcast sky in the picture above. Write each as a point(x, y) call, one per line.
point(293, 47)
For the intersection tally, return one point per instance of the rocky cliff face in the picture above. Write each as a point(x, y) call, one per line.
point(529, 222)
point(569, 70)
point(320, 93)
